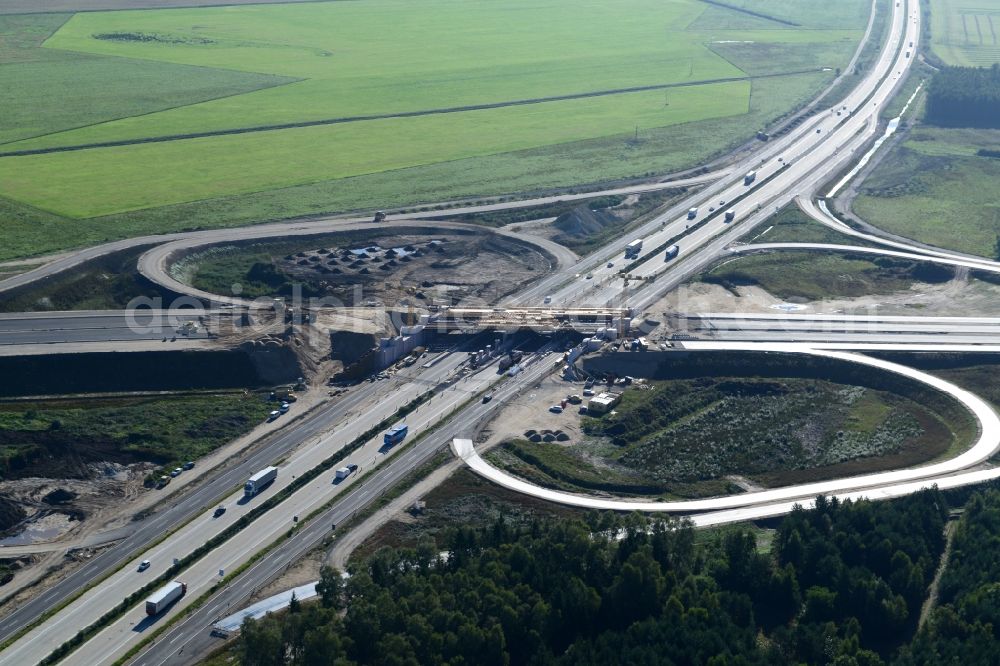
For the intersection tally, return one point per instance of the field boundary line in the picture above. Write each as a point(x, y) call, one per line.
point(403, 114)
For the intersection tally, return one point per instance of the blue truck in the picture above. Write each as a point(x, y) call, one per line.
point(395, 434)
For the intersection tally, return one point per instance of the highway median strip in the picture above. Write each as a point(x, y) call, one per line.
point(243, 522)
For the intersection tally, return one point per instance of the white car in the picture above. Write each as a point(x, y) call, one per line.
point(273, 415)
point(555, 409)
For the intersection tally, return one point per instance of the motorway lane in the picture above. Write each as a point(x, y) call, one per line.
point(62, 327)
point(193, 633)
point(984, 447)
point(145, 531)
point(813, 154)
point(112, 642)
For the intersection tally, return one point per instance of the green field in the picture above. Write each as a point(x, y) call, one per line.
point(220, 69)
point(54, 438)
point(965, 32)
point(933, 188)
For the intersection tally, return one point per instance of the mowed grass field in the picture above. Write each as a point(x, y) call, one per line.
point(966, 32)
point(935, 189)
point(217, 69)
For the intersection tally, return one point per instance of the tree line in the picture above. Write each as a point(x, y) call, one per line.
point(841, 584)
point(964, 97)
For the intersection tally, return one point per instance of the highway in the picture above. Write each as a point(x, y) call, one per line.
point(117, 638)
point(95, 326)
point(840, 328)
point(362, 403)
point(785, 168)
point(193, 633)
point(793, 165)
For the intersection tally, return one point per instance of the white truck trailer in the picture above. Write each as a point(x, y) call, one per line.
point(692, 213)
point(730, 215)
point(750, 177)
point(165, 596)
point(258, 481)
point(633, 248)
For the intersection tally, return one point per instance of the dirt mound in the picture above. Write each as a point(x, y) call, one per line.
point(59, 496)
point(11, 513)
point(581, 221)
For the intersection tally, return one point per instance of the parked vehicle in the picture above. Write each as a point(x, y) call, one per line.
point(556, 409)
point(284, 407)
point(189, 464)
point(164, 597)
point(260, 480)
point(177, 472)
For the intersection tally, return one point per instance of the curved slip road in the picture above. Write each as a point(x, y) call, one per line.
point(64, 261)
point(986, 445)
point(154, 264)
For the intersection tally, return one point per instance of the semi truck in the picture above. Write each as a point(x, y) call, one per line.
point(692, 213)
point(165, 596)
point(260, 480)
point(633, 248)
point(395, 434)
point(730, 215)
point(672, 252)
point(750, 177)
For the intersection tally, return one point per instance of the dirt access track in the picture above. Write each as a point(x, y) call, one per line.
point(60, 6)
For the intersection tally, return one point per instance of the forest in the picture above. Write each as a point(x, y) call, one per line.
point(840, 584)
point(964, 97)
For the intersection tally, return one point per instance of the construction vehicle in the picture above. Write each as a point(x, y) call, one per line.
point(165, 596)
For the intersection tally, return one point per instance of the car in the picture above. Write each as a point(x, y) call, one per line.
point(284, 407)
point(275, 414)
point(189, 464)
point(611, 264)
point(588, 392)
point(352, 467)
point(555, 409)
point(817, 130)
point(722, 203)
point(176, 472)
point(143, 565)
point(590, 276)
point(219, 510)
point(711, 208)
